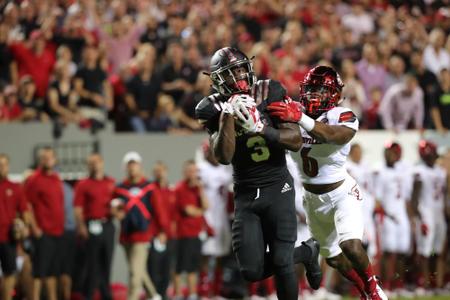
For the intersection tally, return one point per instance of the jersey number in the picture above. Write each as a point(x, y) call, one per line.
point(310, 165)
point(260, 150)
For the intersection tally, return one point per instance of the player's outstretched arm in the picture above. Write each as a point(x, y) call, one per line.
point(331, 134)
point(288, 136)
point(224, 141)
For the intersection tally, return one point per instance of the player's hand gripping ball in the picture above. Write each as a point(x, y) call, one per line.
point(246, 113)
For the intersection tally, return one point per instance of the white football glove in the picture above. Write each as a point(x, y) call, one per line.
point(241, 105)
point(225, 107)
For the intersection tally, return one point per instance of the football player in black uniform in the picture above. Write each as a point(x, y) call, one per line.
point(242, 133)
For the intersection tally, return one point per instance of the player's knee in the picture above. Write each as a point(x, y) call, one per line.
point(252, 274)
point(283, 263)
point(352, 248)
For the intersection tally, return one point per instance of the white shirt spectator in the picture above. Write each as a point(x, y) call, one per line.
point(399, 108)
point(359, 22)
point(435, 62)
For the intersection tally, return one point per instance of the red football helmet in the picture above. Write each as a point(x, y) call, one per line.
point(427, 150)
point(320, 90)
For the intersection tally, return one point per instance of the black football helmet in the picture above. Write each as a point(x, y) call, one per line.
point(320, 90)
point(231, 72)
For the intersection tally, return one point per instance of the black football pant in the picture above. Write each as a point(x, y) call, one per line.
point(266, 217)
point(99, 254)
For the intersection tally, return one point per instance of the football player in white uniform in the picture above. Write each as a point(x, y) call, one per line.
point(217, 180)
point(332, 199)
point(428, 201)
point(390, 191)
point(364, 177)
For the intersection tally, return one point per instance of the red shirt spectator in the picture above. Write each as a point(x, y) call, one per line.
point(45, 193)
point(12, 200)
point(149, 195)
point(36, 60)
point(188, 226)
point(169, 200)
point(94, 197)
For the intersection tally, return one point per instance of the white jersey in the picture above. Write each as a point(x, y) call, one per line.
point(390, 191)
point(216, 181)
point(362, 173)
point(432, 195)
point(406, 168)
point(325, 163)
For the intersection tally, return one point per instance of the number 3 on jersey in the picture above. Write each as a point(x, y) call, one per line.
point(260, 150)
point(310, 165)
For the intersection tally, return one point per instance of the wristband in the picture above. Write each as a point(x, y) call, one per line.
point(307, 123)
point(271, 134)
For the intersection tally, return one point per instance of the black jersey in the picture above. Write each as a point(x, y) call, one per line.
point(256, 163)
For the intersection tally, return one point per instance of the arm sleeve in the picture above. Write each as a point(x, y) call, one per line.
point(29, 190)
point(208, 114)
point(343, 116)
point(384, 110)
point(161, 214)
point(79, 199)
point(21, 200)
point(419, 112)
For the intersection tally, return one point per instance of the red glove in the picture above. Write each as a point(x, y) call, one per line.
point(288, 112)
point(424, 229)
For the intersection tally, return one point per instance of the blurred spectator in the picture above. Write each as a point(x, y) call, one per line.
point(139, 206)
point(35, 57)
point(62, 98)
point(32, 107)
point(370, 72)
point(435, 56)
point(13, 209)
point(358, 21)
point(402, 105)
point(396, 71)
point(440, 107)
point(372, 119)
point(161, 260)
point(349, 49)
point(429, 84)
point(178, 76)
point(92, 86)
point(8, 66)
point(94, 224)
point(353, 91)
point(44, 190)
point(142, 91)
point(120, 41)
point(64, 55)
point(10, 108)
point(68, 244)
point(202, 89)
point(192, 203)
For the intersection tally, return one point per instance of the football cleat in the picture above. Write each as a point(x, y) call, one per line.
point(313, 270)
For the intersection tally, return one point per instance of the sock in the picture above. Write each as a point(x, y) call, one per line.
point(270, 286)
point(252, 288)
point(353, 276)
point(287, 287)
point(371, 283)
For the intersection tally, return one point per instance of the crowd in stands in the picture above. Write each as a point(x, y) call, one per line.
point(139, 63)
